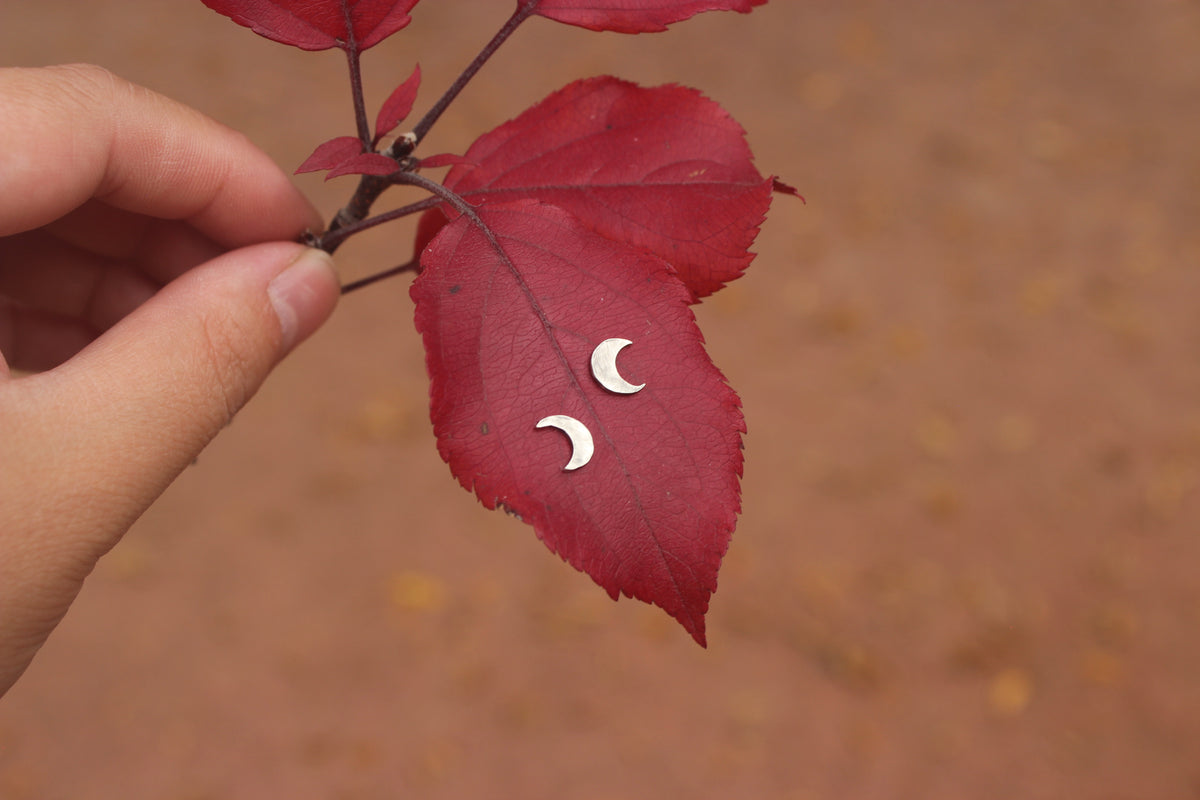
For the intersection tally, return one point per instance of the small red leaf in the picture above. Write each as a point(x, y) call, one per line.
point(666, 169)
point(365, 164)
point(398, 105)
point(331, 153)
point(633, 16)
point(319, 24)
point(510, 315)
point(779, 187)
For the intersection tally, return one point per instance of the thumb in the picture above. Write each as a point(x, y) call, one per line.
point(147, 396)
point(85, 448)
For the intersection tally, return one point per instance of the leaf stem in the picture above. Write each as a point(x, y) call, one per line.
point(356, 89)
point(523, 12)
point(356, 84)
point(456, 200)
point(353, 286)
point(333, 238)
point(433, 187)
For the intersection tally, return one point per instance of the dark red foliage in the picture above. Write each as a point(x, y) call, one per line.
point(398, 105)
point(666, 169)
point(331, 153)
point(365, 164)
point(319, 24)
point(633, 16)
point(344, 156)
point(511, 305)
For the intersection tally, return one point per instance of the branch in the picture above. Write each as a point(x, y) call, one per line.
point(441, 194)
point(523, 12)
point(356, 86)
point(360, 105)
point(371, 186)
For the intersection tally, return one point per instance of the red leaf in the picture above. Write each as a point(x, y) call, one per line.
point(633, 16)
point(666, 169)
point(398, 105)
point(319, 24)
point(510, 315)
point(779, 187)
point(428, 226)
point(365, 164)
point(331, 153)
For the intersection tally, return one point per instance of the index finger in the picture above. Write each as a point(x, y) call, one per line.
point(72, 133)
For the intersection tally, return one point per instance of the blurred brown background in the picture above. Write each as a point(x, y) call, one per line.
point(967, 563)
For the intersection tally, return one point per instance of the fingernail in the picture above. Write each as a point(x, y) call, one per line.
point(304, 295)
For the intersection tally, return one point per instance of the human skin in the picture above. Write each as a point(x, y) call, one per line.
point(150, 279)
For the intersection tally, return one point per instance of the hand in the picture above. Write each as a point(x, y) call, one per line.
point(149, 281)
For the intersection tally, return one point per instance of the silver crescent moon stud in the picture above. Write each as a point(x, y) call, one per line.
point(604, 367)
point(581, 438)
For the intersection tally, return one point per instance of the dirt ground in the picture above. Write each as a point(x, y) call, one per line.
point(967, 562)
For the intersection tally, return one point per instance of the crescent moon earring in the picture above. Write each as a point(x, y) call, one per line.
point(582, 445)
point(604, 367)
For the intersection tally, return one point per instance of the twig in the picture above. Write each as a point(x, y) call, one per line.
point(411, 266)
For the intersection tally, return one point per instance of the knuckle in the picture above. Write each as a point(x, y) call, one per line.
point(86, 85)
